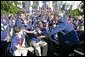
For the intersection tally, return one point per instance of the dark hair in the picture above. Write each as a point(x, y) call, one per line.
point(20, 12)
point(16, 29)
point(40, 21)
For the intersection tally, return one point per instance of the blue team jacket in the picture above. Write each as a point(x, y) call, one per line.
point(66, 32)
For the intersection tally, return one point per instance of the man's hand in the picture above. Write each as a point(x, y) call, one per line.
point(34, 32)
point(39, 31)
point(26, 31)
point(31, 49)
point(42, 36)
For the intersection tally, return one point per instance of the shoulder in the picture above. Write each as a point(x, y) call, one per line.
point(14, 38)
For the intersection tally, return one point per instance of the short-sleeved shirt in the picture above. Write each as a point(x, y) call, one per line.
point(3, 35)
point(15, 41)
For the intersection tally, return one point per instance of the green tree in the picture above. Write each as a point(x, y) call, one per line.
point(81, 6)
point(8, 7)
point(5, 5)
point(75, 12)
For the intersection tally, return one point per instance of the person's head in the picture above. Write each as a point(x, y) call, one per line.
point(30, 19)
point(22, 15)
point(10, 17)
point(40, 24)
point(16, 29)
point(57, 15)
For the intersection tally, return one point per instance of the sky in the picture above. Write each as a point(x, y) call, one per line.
point(74, 3)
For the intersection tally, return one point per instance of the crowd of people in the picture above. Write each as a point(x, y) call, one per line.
point(22, 33)
point(77, 22)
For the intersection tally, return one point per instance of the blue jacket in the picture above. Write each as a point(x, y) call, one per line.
point(18, 22)
point(28, 26)
point(15, 41)
point(3, 35)
point(63, 28)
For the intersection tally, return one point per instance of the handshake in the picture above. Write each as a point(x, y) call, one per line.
point(33, 32)
point(37, 32)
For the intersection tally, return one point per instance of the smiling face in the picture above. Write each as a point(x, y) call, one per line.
point(22, 16)
point(56, 18)
point(58, 14)
point(40, 24)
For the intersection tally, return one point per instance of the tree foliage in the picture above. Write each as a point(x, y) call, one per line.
point(8, 7)
point(82, 7)
point(75, 12)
